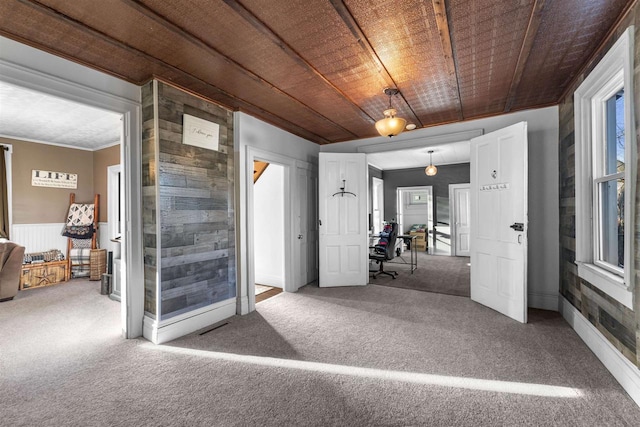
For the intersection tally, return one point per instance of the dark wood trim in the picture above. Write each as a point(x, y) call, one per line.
point(191, 38)
point(530, 35)
point(266, 31)
point(229, 101)
point(442, 21)
point(362, 40)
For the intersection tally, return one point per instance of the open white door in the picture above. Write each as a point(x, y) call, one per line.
point(459, 196)
point(342, 203)
point(306, 259)
point(499, 221)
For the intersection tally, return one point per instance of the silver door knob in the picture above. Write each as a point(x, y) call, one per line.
point(300, 236)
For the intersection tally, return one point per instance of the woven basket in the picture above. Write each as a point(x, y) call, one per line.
point(98, 263)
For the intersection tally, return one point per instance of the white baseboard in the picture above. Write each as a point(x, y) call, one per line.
point(625, 372)
point(543, 301)
point(164, 331)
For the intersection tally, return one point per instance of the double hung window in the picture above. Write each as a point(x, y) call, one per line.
point(605, 175)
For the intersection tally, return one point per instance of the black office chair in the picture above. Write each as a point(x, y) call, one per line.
point(385, 250)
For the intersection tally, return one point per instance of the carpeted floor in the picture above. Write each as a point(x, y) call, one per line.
point(361, 356)
point(435, 273)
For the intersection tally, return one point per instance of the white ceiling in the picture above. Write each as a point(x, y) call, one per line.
point(38, 117)
point(445, 154)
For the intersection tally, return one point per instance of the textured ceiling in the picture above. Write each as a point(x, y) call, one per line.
point(317, 68)
point(33, 116)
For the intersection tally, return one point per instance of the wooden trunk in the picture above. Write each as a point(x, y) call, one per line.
point(43, 274)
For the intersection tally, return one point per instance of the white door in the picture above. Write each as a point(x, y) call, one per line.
point(306, 258)
point(377, 195)
point(499, 221)
point(342, 197)
point(460, 218)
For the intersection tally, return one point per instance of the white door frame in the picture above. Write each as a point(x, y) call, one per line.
point(375, 182)
point(254, 154)
point(80, 84)
point(399, 204)
point(452, 214)
point(312, 171)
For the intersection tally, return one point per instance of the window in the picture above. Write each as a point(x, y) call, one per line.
point(605, 143)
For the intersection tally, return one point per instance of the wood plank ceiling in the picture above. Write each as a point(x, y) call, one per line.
point(317, 68)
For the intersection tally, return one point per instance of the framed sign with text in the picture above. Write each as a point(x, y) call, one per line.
point(199, 132)
point(40, 178)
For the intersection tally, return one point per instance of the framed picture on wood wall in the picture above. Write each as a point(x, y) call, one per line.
point(200, 133)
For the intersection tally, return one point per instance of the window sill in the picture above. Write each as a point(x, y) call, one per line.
point(607, 282)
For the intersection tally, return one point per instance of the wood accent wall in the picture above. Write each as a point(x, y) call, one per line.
point(615, 321)
point(188, 198)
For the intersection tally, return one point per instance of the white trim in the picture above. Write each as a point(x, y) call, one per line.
point(159, 332)
point(8, 154)
point(543, 301)
point(609, 283)
point(420, 142)
point(112, 206)
point(625, 372)
point(57, 144)
point(452, 215)
point(248, 280)
point(616, 65)
point(59, 77)
point(39, 141)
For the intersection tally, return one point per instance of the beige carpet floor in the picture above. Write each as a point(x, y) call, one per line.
point(365, 356)
point(435, 273)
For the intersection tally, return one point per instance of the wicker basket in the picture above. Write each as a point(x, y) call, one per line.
point(98, 263)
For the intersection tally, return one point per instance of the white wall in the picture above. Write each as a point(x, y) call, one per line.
point(543, 267)
point(253, 133)
point(268, 227)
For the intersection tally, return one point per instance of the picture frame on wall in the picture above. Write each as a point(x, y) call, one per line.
point(200, 133)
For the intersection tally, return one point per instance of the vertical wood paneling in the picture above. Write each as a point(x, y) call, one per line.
point(188, 192)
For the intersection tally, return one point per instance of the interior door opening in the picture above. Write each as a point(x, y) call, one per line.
point(268, 226)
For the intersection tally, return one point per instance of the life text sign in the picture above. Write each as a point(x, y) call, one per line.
point(199, 132)
point(41, 178)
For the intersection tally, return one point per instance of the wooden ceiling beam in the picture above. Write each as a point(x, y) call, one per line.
point(191, 38)
point(362, 40)
point(442, 21)
point(266, 31)
point(525, 51)
point(226, 99)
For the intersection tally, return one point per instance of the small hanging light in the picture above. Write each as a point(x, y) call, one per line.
point(390, 125)
point(431, 170)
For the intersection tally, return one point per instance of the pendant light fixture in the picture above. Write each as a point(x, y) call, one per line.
point(431, 170)
point(390, 125)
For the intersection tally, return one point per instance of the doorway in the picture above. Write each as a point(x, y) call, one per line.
point(268, 227)
point(29, 69)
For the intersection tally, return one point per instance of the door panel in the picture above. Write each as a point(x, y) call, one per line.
point(343, 234)
point(498, 200)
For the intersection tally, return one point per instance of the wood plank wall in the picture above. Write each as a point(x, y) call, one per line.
point(615, 321)
point(189, 193)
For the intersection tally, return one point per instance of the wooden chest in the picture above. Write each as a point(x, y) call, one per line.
point(42, 274)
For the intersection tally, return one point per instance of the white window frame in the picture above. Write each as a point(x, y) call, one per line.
point(614, 72)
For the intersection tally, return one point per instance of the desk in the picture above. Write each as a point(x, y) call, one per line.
point(411, 242)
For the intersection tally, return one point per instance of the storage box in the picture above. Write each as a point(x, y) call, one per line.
point(42, 274)
point(421, 236)
point(421, 246)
